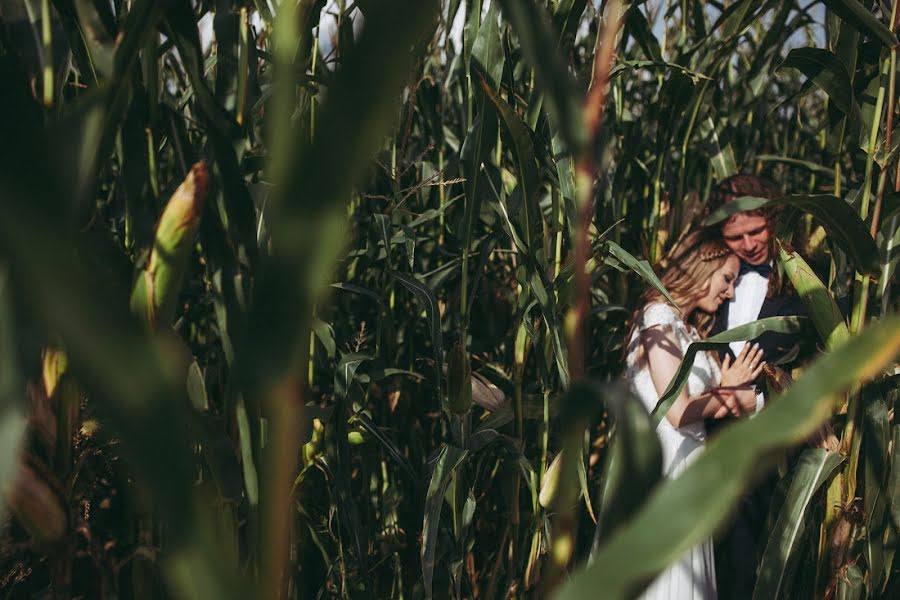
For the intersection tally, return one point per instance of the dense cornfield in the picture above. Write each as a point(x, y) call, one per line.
point(312, 299)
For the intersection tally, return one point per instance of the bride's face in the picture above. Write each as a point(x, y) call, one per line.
point(721, 285)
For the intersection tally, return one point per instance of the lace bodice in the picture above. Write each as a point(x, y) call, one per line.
point(704, 374)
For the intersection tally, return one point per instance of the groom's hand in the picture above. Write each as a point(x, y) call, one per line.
point(735, 402)
point(728, 403)
point(745, 369)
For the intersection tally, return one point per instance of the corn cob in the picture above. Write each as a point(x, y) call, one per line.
point(459, 381)
point(64, 394)
point(156, 291)
point(550, 485)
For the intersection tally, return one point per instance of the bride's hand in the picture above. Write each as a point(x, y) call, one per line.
point(745, 368)
point(735, 402)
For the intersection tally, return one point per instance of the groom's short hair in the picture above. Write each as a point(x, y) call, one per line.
point(744, 184)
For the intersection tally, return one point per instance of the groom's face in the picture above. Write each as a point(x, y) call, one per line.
point(748, 236)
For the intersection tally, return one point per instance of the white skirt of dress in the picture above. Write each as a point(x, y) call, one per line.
point(693, 576)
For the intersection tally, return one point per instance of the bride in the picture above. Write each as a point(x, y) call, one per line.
point(700, 277)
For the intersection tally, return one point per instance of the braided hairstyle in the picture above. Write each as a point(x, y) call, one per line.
point(687, 272)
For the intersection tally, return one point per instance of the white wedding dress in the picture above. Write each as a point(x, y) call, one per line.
point(693, 575)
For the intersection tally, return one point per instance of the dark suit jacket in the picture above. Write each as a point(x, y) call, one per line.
point(777, 348)
point(737, 547)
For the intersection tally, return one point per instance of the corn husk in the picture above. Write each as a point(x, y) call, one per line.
point(459, 381)
point(156, 290)
point(550, 483)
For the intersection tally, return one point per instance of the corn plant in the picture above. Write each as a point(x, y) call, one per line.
point(327, 298)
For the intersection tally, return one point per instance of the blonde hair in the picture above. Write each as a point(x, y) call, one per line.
point(687, 272)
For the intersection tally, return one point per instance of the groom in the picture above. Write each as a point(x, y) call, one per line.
point(758, 293)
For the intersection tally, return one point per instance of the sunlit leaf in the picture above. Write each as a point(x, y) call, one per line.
point(779, 559)
point(862, 19)
point(728, 465)
point(839, 219)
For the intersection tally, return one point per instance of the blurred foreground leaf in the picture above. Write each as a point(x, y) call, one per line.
point(660, 534)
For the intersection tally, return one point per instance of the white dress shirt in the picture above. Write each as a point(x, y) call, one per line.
point(749, 294)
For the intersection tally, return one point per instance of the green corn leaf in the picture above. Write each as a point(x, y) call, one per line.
point(479, 141)
point(484, 437)
point(842, 223)
point(827, 71)
point(245, 443)
point(893, 483)
point(584, 491)
point(637, 26)
point(449, 459)
point(196, 388)
point(659, 535)
point(552, 72)
point(749, 331)
point(473, 10)
point(325, 333)
point(675, 96)
point(545, 300)
point(723, 162)
point(806, 164)
point(565, 172)
point(823, 310)
point(346, 372)
point(530, 222)
point(876, 435)
point(736, 17)
point(226, 28)
point(626, 66)
point(780, 556)
point(140, 25)
point(356, 289)
point(861, 18)
point(385, 440)
point(77, 151)
point(487, 52)
point(566, 20)
point(639, 266)
point(383, 223)
point(99, 43)
point(428, 301)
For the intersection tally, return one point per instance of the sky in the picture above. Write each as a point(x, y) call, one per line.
point(328, 25)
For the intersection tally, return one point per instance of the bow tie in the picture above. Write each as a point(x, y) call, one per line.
point(764, 269)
